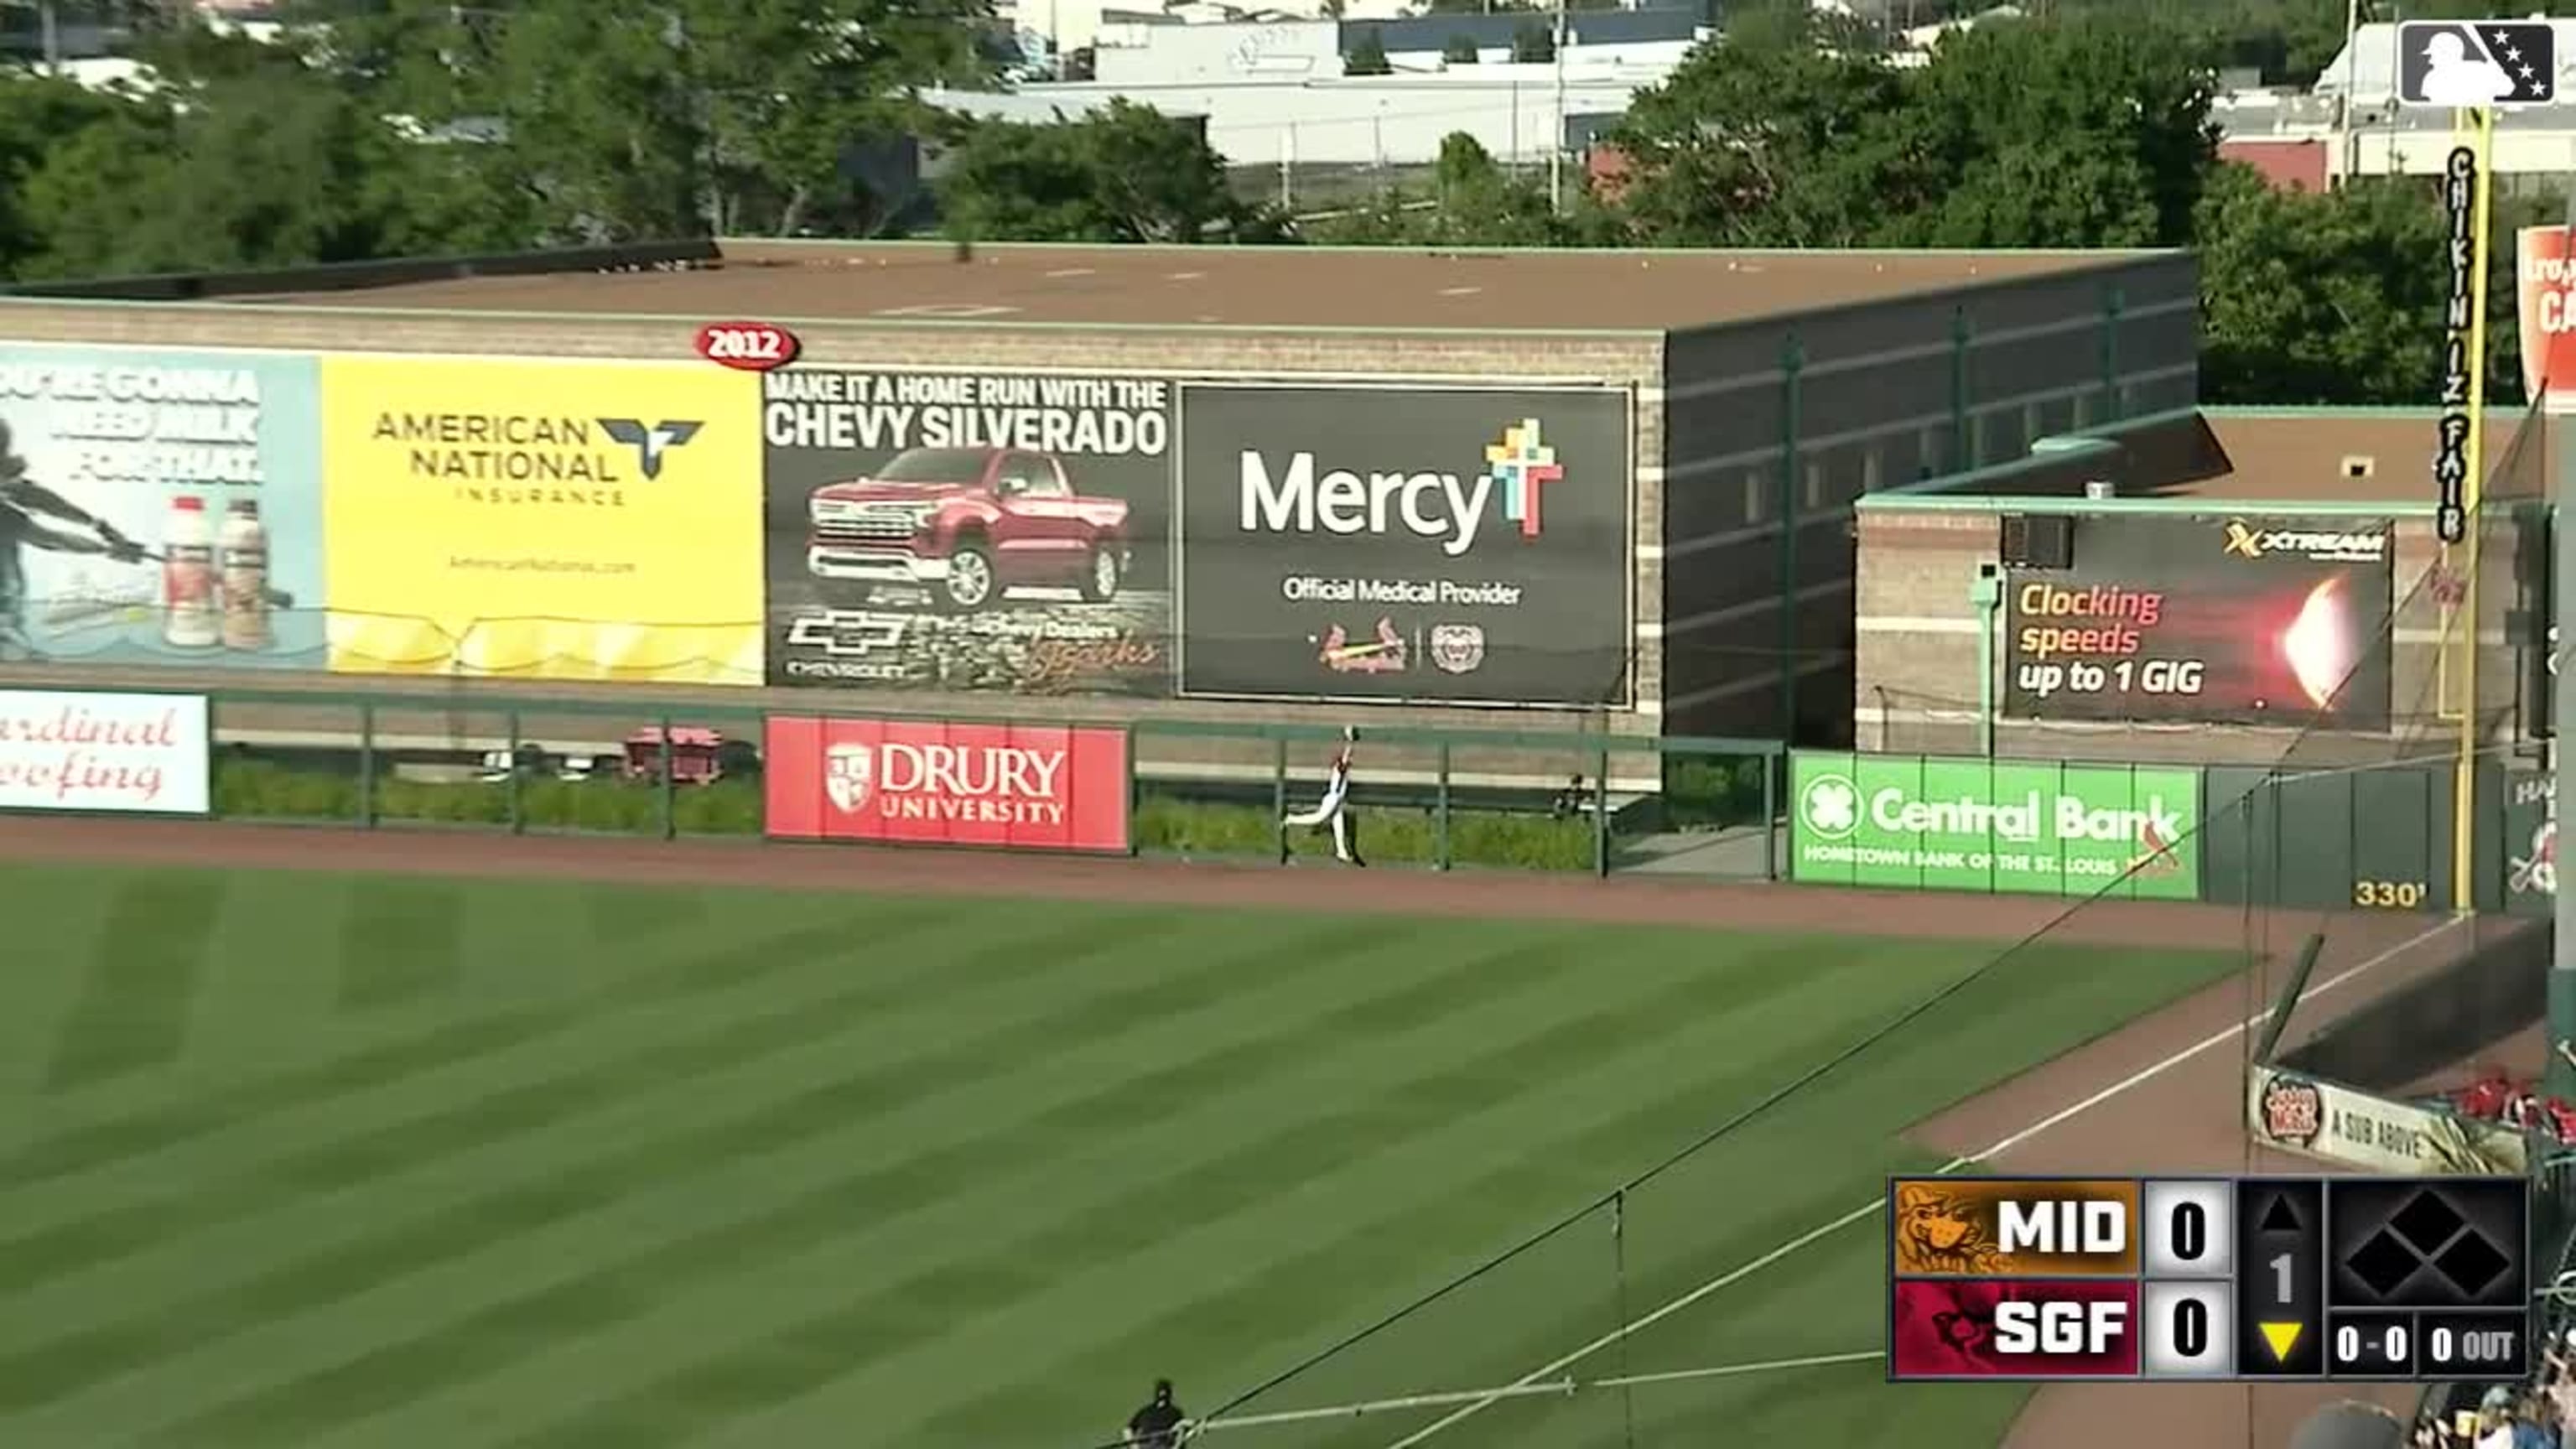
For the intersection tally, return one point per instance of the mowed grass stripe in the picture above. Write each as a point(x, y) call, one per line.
point(51, 942)
point(824, 1194)
point(699, 1095)
point(162, 1122)
point(68, 1362)
point(402, 939)
point(141, 985)
point(1194, 1103)
point(75, 1225)
point(1383, 1226)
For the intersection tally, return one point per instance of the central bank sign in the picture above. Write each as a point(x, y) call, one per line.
point(1977, 825)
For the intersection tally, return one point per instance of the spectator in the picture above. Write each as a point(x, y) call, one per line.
point(1158, 1424)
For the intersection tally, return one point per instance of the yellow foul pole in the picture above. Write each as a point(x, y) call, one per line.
point(2464, 781)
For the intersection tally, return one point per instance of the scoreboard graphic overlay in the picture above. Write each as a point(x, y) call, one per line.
point(2248, 1278)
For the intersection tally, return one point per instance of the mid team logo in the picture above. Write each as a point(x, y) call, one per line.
point(849, 777)
point(1831, 806)
point(2293, 1111)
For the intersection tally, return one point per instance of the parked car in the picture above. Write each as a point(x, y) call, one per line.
point(965, 525)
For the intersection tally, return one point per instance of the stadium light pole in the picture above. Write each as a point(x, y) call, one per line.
point(2472, 488)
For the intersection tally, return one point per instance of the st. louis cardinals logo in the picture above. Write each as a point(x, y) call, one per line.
point(849, 776)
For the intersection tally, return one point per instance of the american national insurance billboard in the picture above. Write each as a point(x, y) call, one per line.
point(2205, 619)
point(1445, 544)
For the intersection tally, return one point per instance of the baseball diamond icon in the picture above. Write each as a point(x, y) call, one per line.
point(1831, 806)
point(2471, 64)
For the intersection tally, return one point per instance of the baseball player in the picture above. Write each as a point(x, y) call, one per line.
point(1330, 810)
point(29, 517)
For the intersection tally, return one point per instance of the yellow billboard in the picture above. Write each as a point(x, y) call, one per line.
point(542, 520)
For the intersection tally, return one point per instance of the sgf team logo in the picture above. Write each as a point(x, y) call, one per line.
point(849, 777)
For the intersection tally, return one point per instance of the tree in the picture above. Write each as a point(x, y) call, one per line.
point(686, 117)
point(2091, 132)
point(1461, 50)
point(243, 155)
point(2340, 297)
point(1126, 174)
point(1367, 55)
point(1773, 146)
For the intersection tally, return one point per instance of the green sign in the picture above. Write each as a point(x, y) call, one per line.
point(1979, 825)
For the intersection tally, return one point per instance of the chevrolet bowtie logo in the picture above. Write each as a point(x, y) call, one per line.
point(846, 633)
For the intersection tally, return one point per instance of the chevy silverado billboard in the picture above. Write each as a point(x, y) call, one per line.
point(968, 531)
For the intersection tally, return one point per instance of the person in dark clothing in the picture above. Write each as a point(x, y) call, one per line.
point(1158, 1425)
point(29, 512)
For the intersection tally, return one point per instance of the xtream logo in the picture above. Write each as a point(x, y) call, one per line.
point(1440, 506)
point(1832, 808)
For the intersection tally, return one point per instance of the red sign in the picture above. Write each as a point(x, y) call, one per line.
point(1029, 787)
point(747, 346)
point(2545, 272)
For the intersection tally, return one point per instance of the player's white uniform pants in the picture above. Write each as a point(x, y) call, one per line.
point(1328, 812)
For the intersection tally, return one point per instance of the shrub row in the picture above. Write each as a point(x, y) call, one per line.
point(262, 789)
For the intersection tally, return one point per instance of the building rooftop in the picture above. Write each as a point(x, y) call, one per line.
point(1285, 287)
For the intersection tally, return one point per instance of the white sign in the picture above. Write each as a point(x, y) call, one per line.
point(2314, 1118)
point(125, 753)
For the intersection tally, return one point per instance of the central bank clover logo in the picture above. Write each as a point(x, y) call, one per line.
point(651, 443)
point(1831, 805)
point(1523, 463)
point(849, 776)
point(2472, 64)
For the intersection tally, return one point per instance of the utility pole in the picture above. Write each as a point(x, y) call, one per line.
point(2351, 78)
point(49, 27)
point(1556, 135)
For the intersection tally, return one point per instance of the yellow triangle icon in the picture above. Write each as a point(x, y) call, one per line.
point(2280, 1336)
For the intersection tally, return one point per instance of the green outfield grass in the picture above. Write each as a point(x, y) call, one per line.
point(355, 1161)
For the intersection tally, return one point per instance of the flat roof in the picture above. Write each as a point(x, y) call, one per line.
point(1382, 289)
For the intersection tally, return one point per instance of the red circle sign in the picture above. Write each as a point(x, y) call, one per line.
point(747, 346)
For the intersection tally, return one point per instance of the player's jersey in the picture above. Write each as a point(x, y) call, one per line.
point(1338, 783)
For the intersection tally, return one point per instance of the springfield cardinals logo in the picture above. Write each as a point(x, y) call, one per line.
point(2293, 1111)
point(1383, 655)
point(849, 776)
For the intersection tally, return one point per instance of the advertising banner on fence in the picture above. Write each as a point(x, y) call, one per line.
point(1977, 825)
point(129, 754)
point(968, 531)
point(1027, 787)
point(159, 508)
point(543, 520)
point(1458, 545)
point(2218, 620)
point(2317, 1118)
point(2545, 284)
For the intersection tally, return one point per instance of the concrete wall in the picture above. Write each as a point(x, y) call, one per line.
point(1886, 394)
point(1915, 686)
point(1633, 361)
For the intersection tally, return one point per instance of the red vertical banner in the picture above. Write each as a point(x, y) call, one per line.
point(2545, 296)
point(1018, 787)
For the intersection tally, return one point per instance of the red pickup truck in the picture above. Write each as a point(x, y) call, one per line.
point(966, 525)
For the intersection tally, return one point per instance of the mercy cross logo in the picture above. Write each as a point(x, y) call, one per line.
point(1523, 464)
point(653, 442)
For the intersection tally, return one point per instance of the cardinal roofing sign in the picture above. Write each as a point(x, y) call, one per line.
point(1967, 825)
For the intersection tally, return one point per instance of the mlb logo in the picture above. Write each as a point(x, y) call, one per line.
point(849, 773)
point(2467, 65)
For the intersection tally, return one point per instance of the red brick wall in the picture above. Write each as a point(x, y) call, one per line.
point(2291, 165)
